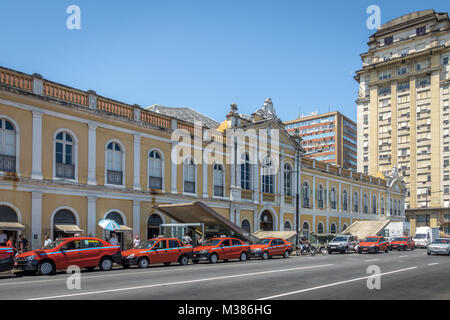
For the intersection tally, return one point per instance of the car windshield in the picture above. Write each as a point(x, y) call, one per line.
point(212, 242)
point(371, 240)
point(441, 241)
point(399, 239)
point(53, 244)
point(146, 244)
point(340, 239)
point(420, 236)
point(263, 241)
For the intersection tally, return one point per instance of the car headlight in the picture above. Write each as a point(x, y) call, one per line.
point(29, 258)
point(131, 256)
point(257, 250)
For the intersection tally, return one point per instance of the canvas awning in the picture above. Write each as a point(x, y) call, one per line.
point(11, 226)
point(68, 228)
point(198, 212)
point(124, 228)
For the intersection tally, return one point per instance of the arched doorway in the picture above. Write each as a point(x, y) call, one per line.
point(9, 223)
point(65, 224)
point(266, 221)
point(287, 226)
point(246, 225)
point(153, 223)
point(117, 217)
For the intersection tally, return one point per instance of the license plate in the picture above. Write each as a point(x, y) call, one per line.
point(333, 247)
point(365, 249)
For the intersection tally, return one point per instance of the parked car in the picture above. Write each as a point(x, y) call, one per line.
point(158, 250)
point(373, 244)
point(401, 243)
point(439, 246)
point(7, 258)
point(222, 248)
point(342, 244)
point(84, 252)
point(425, 236)
point(269, 247)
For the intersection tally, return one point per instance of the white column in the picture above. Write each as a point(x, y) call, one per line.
point(92, 216)
point(281, 181)
point(313, 227)
point(36, 171)
point(173, 171)
point(237, 217)
point(351, 199)
point(92, 153)
point(255, 221)
point(327, 195)
point(370, 202)
point(361, 197)
point(281, 223)
point(137, 217)
point(36, 220)
point(256, 187)
point(205, 175)
point(314, 192)
point(137, 162)
point(339, 198)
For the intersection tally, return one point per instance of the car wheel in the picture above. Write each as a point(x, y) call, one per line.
point(265, 255)
point(106, 264)
point(345, 250)
point(184, 260)
point(46, 268)
point(429, 253)
point(243, 256)
point(213, 258)
point(286, 254)
point(143, 262)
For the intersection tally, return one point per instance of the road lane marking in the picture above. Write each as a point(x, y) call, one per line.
point(371, 260)
point(332, 284)
point(403, 256)
point(432, 264)
point(179, 282)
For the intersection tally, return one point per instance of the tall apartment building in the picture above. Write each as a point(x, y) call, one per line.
point(329, 137)
point(403, 111)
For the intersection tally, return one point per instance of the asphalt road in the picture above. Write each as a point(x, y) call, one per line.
point(404, 275)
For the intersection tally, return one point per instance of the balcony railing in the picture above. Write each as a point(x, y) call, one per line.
point(189, 187)
point(7, 163)
point(218, 191)
point(268, 197)
point(114, 177)
point(246, 194)
point(155, 183)
point(65, 171)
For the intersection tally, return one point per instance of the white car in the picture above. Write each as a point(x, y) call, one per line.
point(439, 246)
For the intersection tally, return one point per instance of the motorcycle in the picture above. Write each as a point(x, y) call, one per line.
point(311, 250)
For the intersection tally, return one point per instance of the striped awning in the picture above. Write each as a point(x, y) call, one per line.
point(68, 228)
point(13, 226)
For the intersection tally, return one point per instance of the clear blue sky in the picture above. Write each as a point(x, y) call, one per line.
point(203, 54)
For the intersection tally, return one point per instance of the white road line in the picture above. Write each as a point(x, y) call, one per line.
point(115, 274)
point(403, 256)
point(332, 284)
point(432, 264)
point(371, 260)
point(179, 282)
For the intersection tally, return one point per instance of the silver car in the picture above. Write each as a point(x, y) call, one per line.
point(439, 246)
point(342, 244)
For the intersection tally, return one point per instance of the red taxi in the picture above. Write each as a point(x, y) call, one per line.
point(6, 258)
point(269, 247)
point(222, 248)
point(401, 243)
point(373, 245)
point(159, 250)
point(84, 252)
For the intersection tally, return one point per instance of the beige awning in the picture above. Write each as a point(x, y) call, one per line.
point(13, 226)
point(198, 212)
point(124, 228)
point(68, 228)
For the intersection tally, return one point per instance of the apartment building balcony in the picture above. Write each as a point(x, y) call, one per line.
point(65, 171)
point(114, 177)
point(7, 163)
point(246, 194)
point(268, 197)
point(289, 200)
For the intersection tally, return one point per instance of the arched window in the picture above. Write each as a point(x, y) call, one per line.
point(374, 204)
point(7, 146)
point(218, 177)
point(333, 198)
point(333, 228)
point(268, 176)
point(245, 172)
point(320, 196)
point(344, 227)
point(64, 156)
point(382, 205)
point(153, 223)
point(114, 164)
point(64, 224)
point(355, 202)
point(115, 216)
point(287, 179)
point(189, 175)
point(287, 226)
point(155, 170)
point(366, 203)
point(266, 221)
point(344, 201)
point(395, 207)
point(305, 229)
point(306, 193)
point(320, 228)
point(245, 224)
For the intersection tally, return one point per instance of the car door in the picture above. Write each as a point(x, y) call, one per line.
point(225, 251)
point(276, 247)
point(90, 252)
point(351, 243)
point(160, 253)
point(175, 250)
point(236, 248)
point(71, 255)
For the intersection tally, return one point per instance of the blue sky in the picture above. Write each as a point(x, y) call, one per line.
point(203, 54)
